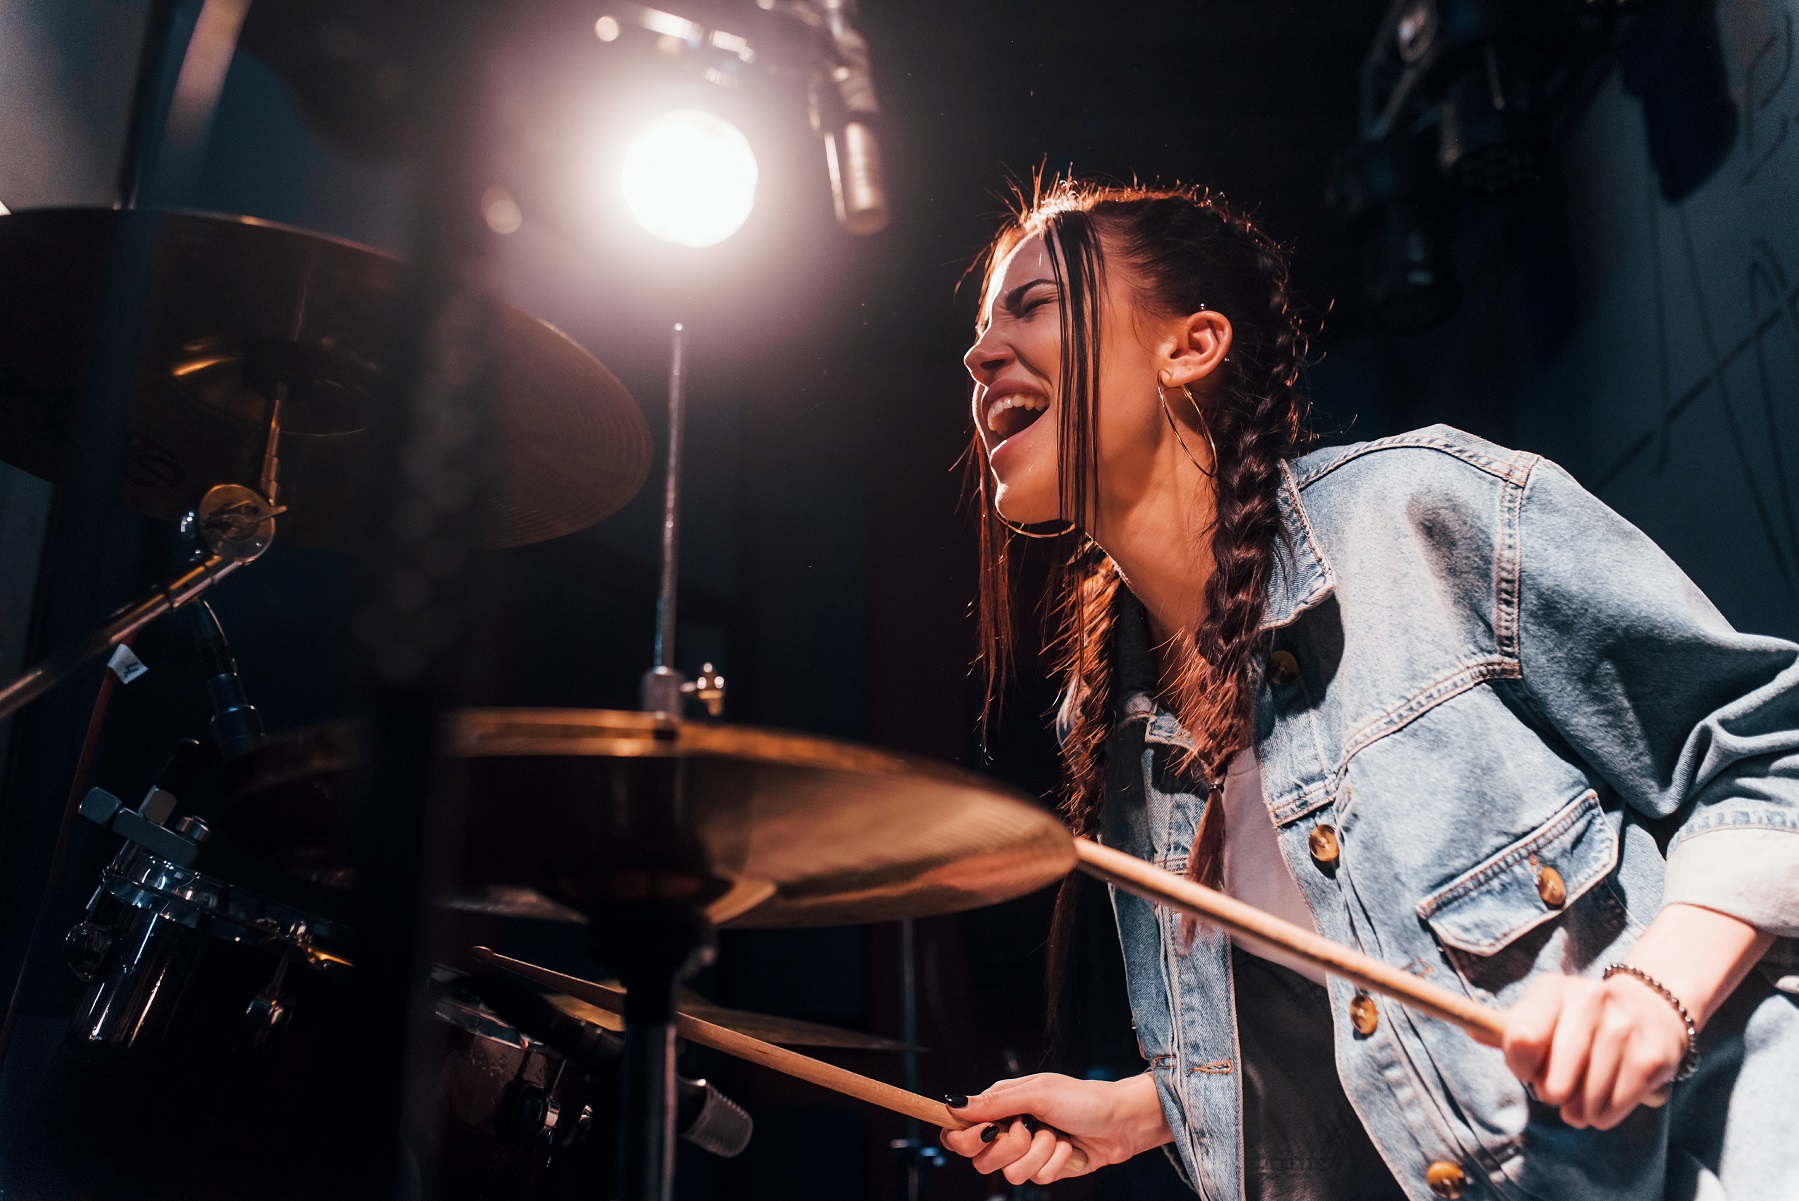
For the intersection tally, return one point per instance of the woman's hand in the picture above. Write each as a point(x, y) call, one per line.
point(1598, 1048)
point(1109, 1120)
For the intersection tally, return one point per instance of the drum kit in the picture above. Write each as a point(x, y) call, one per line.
point(217, 943)
point(226, 946)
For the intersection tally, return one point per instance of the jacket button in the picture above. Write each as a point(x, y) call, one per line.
point(1322, 842)
point(1446, 1179)
point(1364, 1018)
point(1551, 887)
point(1283, 668)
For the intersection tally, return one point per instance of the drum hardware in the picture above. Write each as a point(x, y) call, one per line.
point(641, 820)
point(241, 312)
point(917, 1154)
point(703, 1116)
point(742, 1046)
point(665, 688)
point(149, 922)
point(230, 526)
point(782, 1031)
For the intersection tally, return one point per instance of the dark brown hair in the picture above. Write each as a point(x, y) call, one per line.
point(1187, 250)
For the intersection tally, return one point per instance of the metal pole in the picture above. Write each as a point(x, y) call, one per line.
point(909, 1033)
point(662, 683)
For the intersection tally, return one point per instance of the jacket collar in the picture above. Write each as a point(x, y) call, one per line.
point(1300, 580)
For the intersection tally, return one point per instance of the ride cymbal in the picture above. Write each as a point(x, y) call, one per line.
point(239, 306)
point(595, 809)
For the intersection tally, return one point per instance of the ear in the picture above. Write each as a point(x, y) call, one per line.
point(1200, 342)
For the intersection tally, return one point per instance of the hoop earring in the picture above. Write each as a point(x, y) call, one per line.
point(1070, 528)
point(1176, 429)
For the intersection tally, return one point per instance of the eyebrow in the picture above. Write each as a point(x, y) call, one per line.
point(1009, 301)
point(1010, 298)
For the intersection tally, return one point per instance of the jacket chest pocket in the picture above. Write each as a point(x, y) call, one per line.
point(1542, 903)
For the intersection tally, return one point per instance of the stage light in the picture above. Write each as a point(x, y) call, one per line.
point(690, 178)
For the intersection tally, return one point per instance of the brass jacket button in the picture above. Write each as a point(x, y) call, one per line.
point(1322, 842)
point(1364, 1018)
point(1551, 887)
point(1446, 1179)
point(1283, 668)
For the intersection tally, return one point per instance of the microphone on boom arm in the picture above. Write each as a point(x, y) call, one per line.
point(846, 115)
point(235, 722)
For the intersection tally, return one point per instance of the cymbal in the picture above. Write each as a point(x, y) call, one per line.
point(783, 1032)
point(595, 808)
point(239, 306)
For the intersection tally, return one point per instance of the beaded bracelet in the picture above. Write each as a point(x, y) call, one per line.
point(1689, 1062)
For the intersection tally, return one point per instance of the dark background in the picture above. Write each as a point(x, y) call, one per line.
point(828, 561)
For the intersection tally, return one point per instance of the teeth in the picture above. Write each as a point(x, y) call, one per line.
point(1014, 400)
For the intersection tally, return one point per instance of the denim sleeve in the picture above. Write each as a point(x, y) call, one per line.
point(1680, 714)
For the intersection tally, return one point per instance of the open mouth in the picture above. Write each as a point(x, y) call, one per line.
point(1014, 413)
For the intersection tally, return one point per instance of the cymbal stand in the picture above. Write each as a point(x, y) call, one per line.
point(652, 945)
point(917, 1152)
point(232, 525)
point(663, 686)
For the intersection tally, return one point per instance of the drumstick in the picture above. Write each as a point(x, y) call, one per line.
point(1252, 925)
point(722, 1038)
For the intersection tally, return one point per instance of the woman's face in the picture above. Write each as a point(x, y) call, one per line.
point(1016, 363)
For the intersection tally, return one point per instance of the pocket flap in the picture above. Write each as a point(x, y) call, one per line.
point(1492, 903)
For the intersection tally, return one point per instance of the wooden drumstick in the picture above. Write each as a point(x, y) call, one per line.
point(722, 1038)
point(1244, 921)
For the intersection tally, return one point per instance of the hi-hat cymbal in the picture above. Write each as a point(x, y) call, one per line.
point(239, 306)
point(593, 808)
point(783, 1032)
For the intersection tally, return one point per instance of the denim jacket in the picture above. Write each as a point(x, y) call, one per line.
point(1478, 674)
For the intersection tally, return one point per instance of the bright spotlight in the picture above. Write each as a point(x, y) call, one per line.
point(690, 178)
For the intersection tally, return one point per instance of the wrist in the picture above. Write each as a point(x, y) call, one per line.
point(1677, 1010)
point(1138, 1109)
point(1699, 955)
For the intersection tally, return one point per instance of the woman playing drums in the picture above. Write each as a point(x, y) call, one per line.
point(1424, 695)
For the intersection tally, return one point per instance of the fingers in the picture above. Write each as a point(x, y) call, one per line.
point(1611, 1034)
point(1529, 1025)
point(970, 1142)
point(1003, 1099)
point(1575, 1027)
point(1057, 1167)
point(1008, 1147)
point(1035, 1158)
point(1640, 1069)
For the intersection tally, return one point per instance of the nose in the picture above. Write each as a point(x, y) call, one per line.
point(987, 357)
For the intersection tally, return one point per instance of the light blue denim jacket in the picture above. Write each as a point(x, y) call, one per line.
point(1496, 675)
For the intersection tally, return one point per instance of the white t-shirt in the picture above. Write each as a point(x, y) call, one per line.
point(1254, 871)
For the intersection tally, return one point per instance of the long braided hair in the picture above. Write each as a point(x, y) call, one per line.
point(1188, 250)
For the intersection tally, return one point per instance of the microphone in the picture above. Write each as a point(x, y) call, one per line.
point(235, 723)
point(846, 116)
point(704, 1116)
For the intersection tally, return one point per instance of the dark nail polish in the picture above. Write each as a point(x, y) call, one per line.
point(991, 1133)
point(1031, 1124)
point(955, 1100)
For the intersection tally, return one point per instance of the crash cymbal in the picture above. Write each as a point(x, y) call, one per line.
point(595, 808)
point(239, 306)
point(783, 1032)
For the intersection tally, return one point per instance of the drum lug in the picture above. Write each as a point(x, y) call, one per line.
point(268, 1013)
point(88, 949)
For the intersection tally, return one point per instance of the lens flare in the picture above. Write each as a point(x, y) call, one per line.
point(690, 178)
